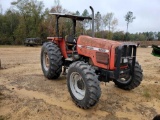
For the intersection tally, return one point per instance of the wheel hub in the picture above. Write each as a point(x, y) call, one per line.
point(124, 77)
point(80, 84)
point(46, 61)
point(77, 85)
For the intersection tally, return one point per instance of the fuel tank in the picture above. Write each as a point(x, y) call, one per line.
point(101, 51)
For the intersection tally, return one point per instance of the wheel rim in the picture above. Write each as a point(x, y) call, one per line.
point(77, 85)
point(46, 61)
point(124, 78)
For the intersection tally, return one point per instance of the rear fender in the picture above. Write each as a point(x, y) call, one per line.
point(61, 44)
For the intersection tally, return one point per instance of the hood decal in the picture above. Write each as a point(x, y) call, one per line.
point(94, 48)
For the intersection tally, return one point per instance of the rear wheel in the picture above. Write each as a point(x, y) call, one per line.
point(51, 60)
point(128, 82)
point(83, 85)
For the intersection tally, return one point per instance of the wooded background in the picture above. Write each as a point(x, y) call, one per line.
point(30, 19)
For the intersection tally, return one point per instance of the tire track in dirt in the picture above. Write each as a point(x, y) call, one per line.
point(68, 105)
point(23, 73)
point(22, 93)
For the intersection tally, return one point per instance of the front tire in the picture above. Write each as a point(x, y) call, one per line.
point(83, 85)
point(51, 60)
point(132, 81)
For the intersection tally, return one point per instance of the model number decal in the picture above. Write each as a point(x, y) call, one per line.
point(90, 48)
point(93, 48)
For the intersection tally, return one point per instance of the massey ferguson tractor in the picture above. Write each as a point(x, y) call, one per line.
point(89, 61)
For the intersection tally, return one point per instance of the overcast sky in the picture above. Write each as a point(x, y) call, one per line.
point(147, 12)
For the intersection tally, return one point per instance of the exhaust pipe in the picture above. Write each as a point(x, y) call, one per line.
point(92, 20)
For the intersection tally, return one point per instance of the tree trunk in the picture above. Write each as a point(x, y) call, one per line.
point(127, 27)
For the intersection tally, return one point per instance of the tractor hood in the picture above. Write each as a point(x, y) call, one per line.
point(102, 52)
point(100, 43)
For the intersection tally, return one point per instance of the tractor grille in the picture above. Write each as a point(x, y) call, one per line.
point(126, 53)
point(102, 57)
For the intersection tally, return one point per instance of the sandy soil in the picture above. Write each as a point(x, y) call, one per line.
point(26, 94)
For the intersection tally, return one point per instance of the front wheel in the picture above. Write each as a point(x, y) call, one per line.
point(132, 81)
point(83, 85)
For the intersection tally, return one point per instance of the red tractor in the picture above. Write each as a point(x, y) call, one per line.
point(89, 60)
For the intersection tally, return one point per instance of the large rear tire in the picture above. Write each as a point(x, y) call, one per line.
point(51, 60)
point(83, 85)
point(131, 81)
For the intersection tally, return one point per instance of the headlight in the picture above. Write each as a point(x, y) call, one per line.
point(124, 60)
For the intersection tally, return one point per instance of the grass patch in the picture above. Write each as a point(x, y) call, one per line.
point(11, 46)
point(18, 46)
point(146, 93)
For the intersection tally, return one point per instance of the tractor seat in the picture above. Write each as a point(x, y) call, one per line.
point(70, 39)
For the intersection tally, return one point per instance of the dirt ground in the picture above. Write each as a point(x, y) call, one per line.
point(26, 94)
